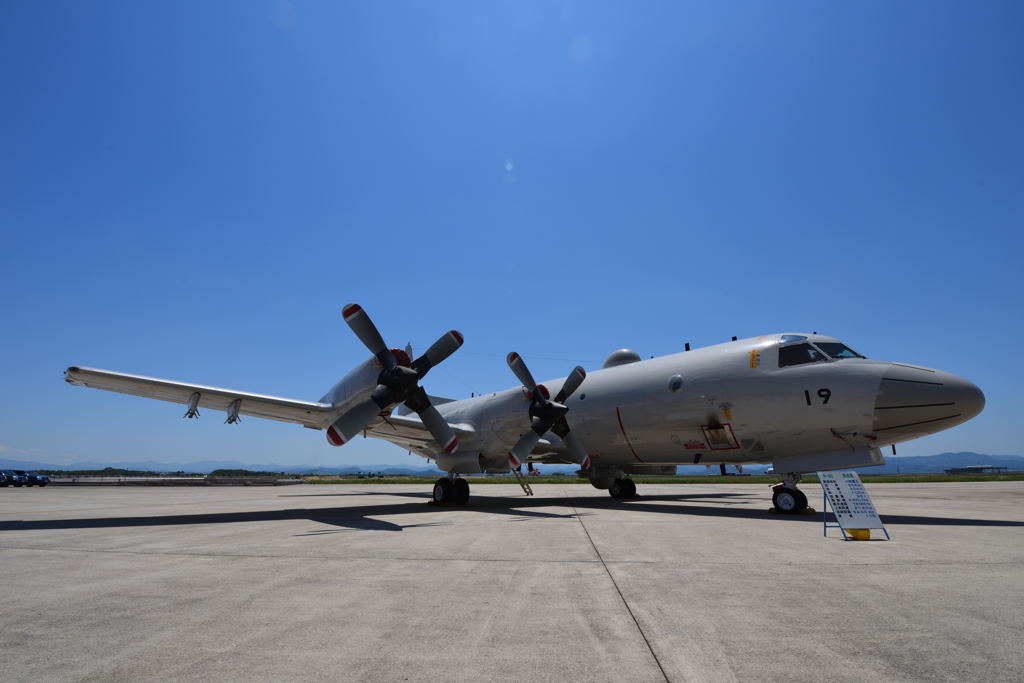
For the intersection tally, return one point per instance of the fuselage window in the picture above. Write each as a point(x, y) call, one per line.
point(798, 354)
point(837, 350)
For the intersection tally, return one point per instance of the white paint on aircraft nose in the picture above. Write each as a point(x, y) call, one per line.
point(913, 401)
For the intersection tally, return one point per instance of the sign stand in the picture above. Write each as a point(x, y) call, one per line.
point(850, 504)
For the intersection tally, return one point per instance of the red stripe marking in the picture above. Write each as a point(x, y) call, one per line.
point(513, 357)
point(457, 335)
point(350, 311)
point(452, 445)
point(625, 436)
point(512, 459)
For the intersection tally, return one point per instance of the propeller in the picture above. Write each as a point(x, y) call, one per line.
point(397, 383)
point(547, 414)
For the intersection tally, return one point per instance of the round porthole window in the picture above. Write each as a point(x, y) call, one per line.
point(675, 383)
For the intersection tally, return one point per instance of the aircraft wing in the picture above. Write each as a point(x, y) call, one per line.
point(306, 413)
point(411, 434)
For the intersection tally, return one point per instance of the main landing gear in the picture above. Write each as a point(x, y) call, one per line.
point(622, 488)
point(450, 490)
point(786, 497)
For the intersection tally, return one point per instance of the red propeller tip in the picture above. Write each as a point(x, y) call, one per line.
point(513, 357)
point(350, 311)
point(452, 445)
point(515, 461)
point(333, 437)
point(457, 335)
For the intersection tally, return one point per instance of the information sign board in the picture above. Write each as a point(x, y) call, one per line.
point(849, 500)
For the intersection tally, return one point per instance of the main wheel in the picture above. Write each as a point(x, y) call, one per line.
point(461, 492)
point(789, 501)
point(442, 491)
point(622, 488)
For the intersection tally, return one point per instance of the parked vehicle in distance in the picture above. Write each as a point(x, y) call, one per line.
point(12, 478)
point(33, 478)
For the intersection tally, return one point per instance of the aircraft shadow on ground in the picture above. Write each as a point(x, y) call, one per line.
point(367, 517)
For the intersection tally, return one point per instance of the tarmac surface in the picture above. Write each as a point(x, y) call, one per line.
point(368, 582)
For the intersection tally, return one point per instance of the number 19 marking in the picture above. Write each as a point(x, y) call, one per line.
point(823, 394)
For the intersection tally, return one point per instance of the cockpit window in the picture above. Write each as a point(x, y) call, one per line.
point(837, 350)
point(798, 354)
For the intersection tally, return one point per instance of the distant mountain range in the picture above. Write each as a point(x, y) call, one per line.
point(905, 465)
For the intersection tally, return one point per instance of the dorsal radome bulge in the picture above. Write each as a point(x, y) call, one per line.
point(621, 357)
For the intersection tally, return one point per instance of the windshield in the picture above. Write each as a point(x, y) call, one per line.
point(837, 350)
point(798, 354)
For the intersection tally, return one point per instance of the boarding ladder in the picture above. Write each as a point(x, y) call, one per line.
point(522, 481)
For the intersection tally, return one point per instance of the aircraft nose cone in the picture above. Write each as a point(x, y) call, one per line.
point(914, 401)
point(967, 397)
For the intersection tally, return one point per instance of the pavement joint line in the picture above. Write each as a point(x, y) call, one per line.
point(619, 591)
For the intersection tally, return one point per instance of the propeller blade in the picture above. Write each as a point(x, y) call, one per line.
point(419, 403)
point(517, 456)
point(441, 349)
point(439, 429)
point(364, 328)
point(527, 441)
point(348, 426)
point(518, 366)
point(572, 383)
point(575, 450)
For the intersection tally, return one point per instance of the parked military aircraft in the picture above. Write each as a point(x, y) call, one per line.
point(802, 402)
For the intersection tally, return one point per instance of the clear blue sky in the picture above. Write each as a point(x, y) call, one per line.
point(193, 190)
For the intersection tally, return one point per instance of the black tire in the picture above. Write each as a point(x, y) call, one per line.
point(442, 491)
point(789, 501)
point(622, 488)
point(461, 492)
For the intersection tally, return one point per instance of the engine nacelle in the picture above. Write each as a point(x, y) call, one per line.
point(356, 385)
point(353, 388)
point(472, 463)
